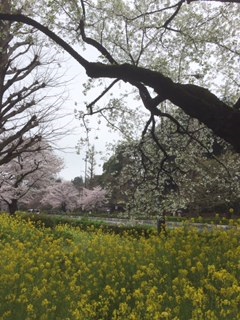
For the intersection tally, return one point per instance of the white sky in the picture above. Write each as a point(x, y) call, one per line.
point(74, 163)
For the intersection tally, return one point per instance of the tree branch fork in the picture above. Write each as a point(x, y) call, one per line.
point(195, 101)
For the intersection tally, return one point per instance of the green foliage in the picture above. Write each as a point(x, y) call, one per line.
point(52, 221)
point(78, 182)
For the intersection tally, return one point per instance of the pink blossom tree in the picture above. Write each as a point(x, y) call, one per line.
point(62, 195)
point(28, 174)
point(93, 199)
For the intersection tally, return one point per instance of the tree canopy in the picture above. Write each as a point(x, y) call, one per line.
point(173, 51)
point(190, 178)
point(26, 176)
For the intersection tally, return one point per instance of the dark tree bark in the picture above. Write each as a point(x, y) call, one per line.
point(225, 1)
point(195, 101)
point(13, 206)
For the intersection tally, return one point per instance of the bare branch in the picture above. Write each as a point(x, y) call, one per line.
point(20, 74)
point(224, 1)
point(170, 19)
point(89, 106)
point(95, 44)
point(46, 31)
point(153, 11)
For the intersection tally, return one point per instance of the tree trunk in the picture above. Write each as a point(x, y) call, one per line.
point(13, 206)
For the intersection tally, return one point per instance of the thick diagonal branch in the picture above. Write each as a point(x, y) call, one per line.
point(195, 101)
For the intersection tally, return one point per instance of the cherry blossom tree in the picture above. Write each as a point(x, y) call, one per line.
point(93, 199)
point(190, 177)
point(62, 195)
point(152, 57)
point(176, 51)
point(27, 175)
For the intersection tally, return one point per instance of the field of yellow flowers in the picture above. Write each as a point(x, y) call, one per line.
point(71, 274)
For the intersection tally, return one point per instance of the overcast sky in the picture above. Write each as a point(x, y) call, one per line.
point(74, 163)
